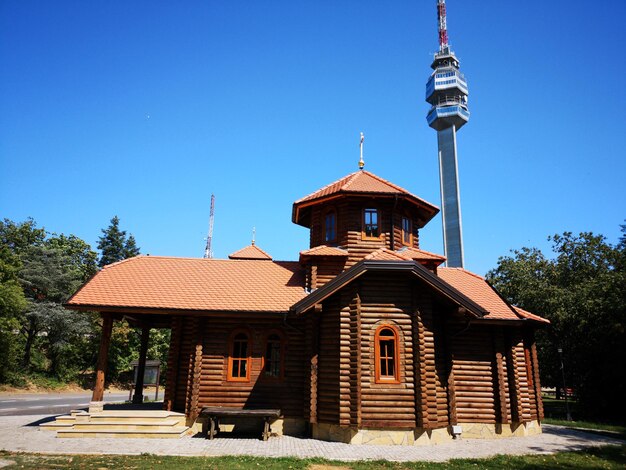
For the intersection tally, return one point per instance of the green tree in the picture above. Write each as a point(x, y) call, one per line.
point(14, 240)
point(38, 273)
point(582, 291)
point(114, 245)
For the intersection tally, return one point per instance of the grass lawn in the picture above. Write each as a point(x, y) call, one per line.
point(596, 458)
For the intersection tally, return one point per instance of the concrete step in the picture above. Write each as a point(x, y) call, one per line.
point(130, 417)
point(134, 424)
point(173, 433)
point(56, 425)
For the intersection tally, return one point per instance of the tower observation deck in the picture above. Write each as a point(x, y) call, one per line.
point(446, 91)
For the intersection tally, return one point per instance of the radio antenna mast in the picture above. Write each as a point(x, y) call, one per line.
point(208, 252)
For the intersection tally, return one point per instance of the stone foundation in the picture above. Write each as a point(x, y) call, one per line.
point(417, 437)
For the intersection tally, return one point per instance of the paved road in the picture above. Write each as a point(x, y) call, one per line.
point(50, 403)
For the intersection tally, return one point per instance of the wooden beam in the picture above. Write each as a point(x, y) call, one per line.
point(141, 367)
point(103, 356)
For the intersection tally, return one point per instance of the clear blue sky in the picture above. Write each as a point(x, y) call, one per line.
point(143, 109)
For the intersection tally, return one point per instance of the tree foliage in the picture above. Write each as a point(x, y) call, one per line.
point(114, 245)
point(581, 289)
point(38, 273)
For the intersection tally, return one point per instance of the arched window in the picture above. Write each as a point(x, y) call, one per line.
point(239, 358)
point(386, 355)
point(330, 225)
point(273, 359)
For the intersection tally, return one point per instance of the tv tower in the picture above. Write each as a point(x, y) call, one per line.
point(208, 250)
point(446, 91)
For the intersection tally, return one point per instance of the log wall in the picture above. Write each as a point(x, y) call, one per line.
point(349, 224)
point(386, 300)
point(201, 379)
point(475, 374)
point(328, 362)
point(450, 371)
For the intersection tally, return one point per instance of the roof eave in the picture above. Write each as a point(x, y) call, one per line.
point(429, 209)
point(364, 266)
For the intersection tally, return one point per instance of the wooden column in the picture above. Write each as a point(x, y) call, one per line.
point(172, 364)
point(535, 370)
point(419, 367)
point(499, 379)
point(315, 328)
point(196, 369)
point(514, 382)
point(103, 356)
point(141, 367)
point(450, 385)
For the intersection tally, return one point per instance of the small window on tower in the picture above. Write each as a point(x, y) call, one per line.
point(331, 226)
point(407, 234)
point(371, 223)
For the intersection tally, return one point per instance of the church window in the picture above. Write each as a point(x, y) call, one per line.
point(239, 358)
point(371, 223)
point(407, 235)
point(386, 355)
point(273, 360)
point(331, 226)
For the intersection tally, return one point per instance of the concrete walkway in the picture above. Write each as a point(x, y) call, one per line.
point(22, 434)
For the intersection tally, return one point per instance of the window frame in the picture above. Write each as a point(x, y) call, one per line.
point(329, 212)
point(231, 358)
point(405, 232)
point(282, 352)
point(396, 359)
point(364, 235)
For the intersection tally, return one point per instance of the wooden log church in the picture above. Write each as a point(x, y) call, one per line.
point(365, 339)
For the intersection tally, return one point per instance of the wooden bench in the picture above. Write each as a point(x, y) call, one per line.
point(214, 413)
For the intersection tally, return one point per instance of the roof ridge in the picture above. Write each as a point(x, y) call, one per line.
point(412, 248)
point(477, 276)
point(382, 250)
point(383, 180)
point(123, 261)
point(326, 187)
point(352, 178)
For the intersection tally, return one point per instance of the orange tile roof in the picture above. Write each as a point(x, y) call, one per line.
point(323, 250)
point(387, 255)
point(477, 289)
point(532, 316)
point(154, 282)
point(250, 252)
point(421, 255)
point(361, 182)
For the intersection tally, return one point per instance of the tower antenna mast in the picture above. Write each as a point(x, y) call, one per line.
point(443, 28)
point(208, 252)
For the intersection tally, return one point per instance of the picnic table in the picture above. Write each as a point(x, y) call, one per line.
point(214, 413)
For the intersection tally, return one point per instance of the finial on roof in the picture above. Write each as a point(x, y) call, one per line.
point(361, 162)
point(253, 235)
